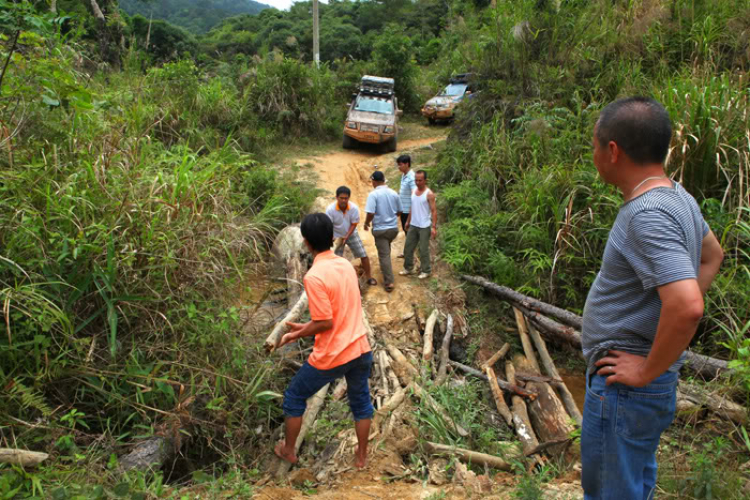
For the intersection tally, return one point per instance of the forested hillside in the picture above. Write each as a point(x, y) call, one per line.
point(197, 16)
point(140, 193)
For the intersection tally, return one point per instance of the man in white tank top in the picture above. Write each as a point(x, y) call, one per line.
point(421, 226)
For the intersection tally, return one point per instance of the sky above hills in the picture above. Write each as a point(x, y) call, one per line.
point(280, 4)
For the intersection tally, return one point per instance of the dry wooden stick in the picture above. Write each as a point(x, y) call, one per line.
point(386, 360)
point(521, 422)
point(429, 329)
point(380, 354)
point(525, 340)
point(339, 390)
point(549, 365)
point(391, 404)
point(445, 352)
point(468, 456)
point(280, 329)
point(512, 388)
point(404, 370)
point(497, 356)
point(314, 404)
point(502, 406)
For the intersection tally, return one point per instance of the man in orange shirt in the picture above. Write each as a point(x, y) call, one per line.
point(341, 348)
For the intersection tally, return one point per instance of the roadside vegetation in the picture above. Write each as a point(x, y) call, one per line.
point(137, 194)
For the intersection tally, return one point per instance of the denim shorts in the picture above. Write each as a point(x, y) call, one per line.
point(620, 434)
point(310, 380)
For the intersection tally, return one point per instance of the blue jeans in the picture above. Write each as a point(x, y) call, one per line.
point(619, 436)
point(310, 380)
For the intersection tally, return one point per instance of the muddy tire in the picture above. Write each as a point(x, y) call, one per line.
point(348, 142)
point(390, 146)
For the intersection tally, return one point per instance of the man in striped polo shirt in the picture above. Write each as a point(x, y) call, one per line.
point(645, 304)
point(408, 185)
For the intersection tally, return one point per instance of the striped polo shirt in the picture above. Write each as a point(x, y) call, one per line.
point(656, 240)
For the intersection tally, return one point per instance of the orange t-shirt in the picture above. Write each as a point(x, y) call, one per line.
point(333, 293)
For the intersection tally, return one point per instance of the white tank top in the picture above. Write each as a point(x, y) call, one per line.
point(421, 216)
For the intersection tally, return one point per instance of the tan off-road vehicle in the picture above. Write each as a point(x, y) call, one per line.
point(442, 106)
point(373, 114)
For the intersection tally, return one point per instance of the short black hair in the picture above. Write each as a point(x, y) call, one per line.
point(343, 190)
point(640, 126)
point(421, 172)
point(317, 229)
point(404, 159)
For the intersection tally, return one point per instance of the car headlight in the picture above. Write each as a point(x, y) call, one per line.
point(388, 129)
point(352, 125)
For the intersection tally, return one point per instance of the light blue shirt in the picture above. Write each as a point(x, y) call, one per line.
point(408, 185)
point(385, 203)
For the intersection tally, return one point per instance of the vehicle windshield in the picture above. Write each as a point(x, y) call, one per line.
point(374, 105)
point(454, 89)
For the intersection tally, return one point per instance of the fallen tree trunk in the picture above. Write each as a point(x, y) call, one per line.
point(547, 413)
point(721, 406)
point(704, 366)
point(468, 456)
point(280, 329)
point(22, 458)
point(442, 373)
point(500, 404)
point(521, 422)
point(549, 366)
point(149, 455)
point(508, 387)
point(314, 404)
point(526, 302)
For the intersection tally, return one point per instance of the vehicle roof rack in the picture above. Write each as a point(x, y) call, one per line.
point(461, 78)
point(376, 85)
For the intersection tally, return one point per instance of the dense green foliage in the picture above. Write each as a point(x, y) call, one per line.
point(197, 16)
point(523, 201)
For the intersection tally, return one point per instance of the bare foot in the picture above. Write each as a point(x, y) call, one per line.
point(283, 454)
point(360, 461)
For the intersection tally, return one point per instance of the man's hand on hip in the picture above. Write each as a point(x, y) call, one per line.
point(623, 368)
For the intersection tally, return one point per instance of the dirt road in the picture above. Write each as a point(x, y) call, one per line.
point(353, 169)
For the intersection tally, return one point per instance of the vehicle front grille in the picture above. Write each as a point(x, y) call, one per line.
point(365, 127)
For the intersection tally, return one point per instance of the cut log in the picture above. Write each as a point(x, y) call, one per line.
point(526, 340)
point(527, 302)
point(339, 390)
point(280, 329)
point(547, 413)
point(429, 329)
point(445, 352)
point(404, 370)
point(705, 366)
point(22, 458)
point(549, 366)
point(508, 387)
point(561, 333)
point(497, 356)
point(149, 455)
point(383, 368)
point(521, 422)
point(386, 360)
point(497, 394)
point(721, 406)
point(430, 401)
point(468, 456)
point(314, 404)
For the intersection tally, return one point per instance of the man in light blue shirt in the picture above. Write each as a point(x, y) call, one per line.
point(408, 185)
point(383, 209)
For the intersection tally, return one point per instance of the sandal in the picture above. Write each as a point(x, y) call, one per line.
point(389, 287)
point(372, 282)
